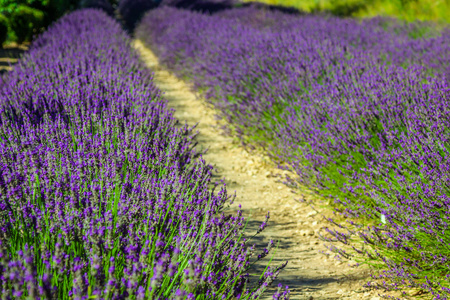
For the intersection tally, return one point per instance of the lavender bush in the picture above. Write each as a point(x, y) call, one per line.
point(101, 194)
point(359, 110)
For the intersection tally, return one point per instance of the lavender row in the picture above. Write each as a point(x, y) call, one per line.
point(359, 110)
point(101, 192)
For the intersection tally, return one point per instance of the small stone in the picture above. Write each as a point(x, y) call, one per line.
point(306, 232)
point(352, 263)
point(417, 293)
point(311, 213)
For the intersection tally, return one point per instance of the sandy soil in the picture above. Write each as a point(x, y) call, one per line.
point(309, 273)
point(9, 55)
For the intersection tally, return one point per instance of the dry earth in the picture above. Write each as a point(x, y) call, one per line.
point(9, 55)
point(309, 273)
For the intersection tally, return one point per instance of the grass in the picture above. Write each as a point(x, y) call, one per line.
point(408, 10)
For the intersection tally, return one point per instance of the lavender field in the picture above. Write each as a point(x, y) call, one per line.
point(357, 109)
point(102, 193)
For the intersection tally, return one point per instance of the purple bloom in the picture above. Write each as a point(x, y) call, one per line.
point(101, 193)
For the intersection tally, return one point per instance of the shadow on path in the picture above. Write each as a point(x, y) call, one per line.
point(9, 55)
point(301, 284)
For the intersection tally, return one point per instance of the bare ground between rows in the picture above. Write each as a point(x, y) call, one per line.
point(309, 273)
point(9, 55)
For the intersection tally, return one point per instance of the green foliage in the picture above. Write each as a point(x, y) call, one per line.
point(346, 8)
point(409, 10)
point(25, 21)
point(20, 20)
point(3, 29)
point(56, 8)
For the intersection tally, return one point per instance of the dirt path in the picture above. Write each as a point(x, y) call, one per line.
point(309, 273)
point(9, 55)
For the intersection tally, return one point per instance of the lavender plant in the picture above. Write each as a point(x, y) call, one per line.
point(359, 110)
point(102, 194)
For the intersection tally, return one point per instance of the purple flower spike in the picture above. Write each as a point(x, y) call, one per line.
point(102, 194)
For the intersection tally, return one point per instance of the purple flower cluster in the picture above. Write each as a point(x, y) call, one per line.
point(102, 194)
point(359, 110)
